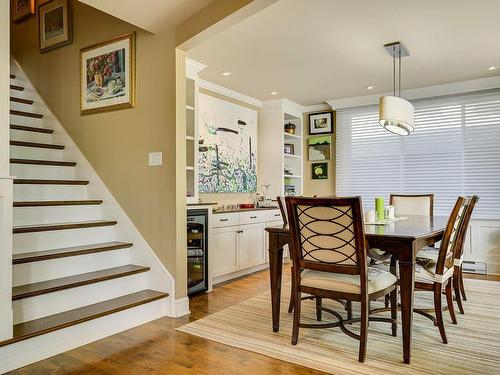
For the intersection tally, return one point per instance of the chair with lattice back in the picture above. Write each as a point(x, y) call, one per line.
point(329, 261)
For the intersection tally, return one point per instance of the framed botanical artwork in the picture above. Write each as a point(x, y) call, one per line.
point(319, 171)
point(289, 149)
point(22, 9)
point(319, 147)
point(55, 26)
point(107, 75)
point(321, 123)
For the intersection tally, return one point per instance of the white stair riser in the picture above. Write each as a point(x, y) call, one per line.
point(55, 214)
point(49, 172)
point(45, 346)
point(52, 303)
point(49, 192)
point(27, 121)
point(27, 136)
point(55, 268)
point(27, 242)
point(30, 108)
point(21, 152)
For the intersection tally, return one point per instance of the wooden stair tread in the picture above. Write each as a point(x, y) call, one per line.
point(31, 129)
point(57, 203)
point(51, 323)
point(35, 181)
point(21, 100)
point(35, 144)
point(62, 226)
point(43, 162)
point(15, 87)
point(25, 114)
point(55, 285)
point(37, 256)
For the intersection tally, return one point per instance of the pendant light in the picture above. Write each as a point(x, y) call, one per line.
point(396, 113)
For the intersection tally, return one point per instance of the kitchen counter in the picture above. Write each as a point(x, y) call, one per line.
point(247, 209)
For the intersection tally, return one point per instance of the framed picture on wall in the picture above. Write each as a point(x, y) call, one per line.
point(55, 26)
point(22, 9)
point(319, 147)
point(321, 123)
point(107, 75)
point(319, 171)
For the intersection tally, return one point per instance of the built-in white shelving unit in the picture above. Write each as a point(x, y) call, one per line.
point(192, 70)
point(283, 171)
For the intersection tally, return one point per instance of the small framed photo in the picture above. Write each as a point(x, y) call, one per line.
point(321, 123)
point(289, 149)
point(55, 26)
point(319, 171)
point(319, 147)
point(107, 75)
point(22, 9)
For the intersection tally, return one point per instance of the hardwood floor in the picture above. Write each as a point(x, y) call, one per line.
point(157, 348)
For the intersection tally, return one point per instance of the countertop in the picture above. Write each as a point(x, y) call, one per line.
point(247, 209)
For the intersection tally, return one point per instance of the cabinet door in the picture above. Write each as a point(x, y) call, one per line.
point(251, 245)
point(224, 256)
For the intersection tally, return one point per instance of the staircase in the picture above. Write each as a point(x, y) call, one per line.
point(81, 270)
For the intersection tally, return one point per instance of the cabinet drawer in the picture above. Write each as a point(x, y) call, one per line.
point(225, 220)
point(273, 215)
point(250, 217)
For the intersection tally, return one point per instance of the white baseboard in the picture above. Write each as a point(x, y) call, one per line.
point(181, 307)
point(234, 275)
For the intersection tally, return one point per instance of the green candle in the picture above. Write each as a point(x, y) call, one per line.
point(379, 208)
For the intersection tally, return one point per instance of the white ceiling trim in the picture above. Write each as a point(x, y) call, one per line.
point(230, 93)
point(421, 93)
point(317, 107)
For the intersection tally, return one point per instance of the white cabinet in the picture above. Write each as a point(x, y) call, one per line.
point(224, 251)
point(251, 245)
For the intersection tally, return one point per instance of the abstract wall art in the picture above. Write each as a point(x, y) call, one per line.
point(227, 161)
point(319, 147)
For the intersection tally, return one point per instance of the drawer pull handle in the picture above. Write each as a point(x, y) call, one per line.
point(240, 231)
point(277, 214)
point(253, 217)
point(223, 219)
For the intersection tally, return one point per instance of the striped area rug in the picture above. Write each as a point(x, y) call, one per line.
point(473, 345)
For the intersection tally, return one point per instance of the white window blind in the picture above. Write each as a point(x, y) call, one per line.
point(454, 150)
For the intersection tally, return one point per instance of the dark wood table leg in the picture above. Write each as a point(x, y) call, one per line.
point(407, 285)
point(275, 272)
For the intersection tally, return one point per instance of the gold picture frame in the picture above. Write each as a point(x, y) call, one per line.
point(22, 9)
point(107, 75)
point(55, 25)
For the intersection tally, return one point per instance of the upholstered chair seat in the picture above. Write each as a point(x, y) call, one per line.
point(378, 279)
point(432, 253)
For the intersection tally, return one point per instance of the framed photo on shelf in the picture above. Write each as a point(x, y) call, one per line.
point(319, 147)
point(22, 9)
point(321, 123)
point(289, 149)
point(55, 26)
point(319, 171)
point(107, 75)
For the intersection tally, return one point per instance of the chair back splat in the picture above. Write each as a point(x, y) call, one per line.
point(412, 204)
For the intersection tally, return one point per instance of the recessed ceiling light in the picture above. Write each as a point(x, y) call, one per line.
point(274, 93)
point(225, 74)
point(369, 87)
point(492, 67)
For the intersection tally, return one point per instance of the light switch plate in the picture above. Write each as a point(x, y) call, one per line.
point(155, 158)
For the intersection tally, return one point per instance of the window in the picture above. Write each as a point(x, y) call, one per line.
point(454, 150)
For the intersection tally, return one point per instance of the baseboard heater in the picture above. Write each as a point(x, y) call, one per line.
point(474, 267)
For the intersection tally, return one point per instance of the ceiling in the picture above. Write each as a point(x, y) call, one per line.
point(311, 51)
point(150, 15)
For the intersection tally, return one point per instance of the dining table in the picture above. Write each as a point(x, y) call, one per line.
point(401, 239)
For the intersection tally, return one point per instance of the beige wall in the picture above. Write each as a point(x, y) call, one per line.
point(318, 187)
point(233, 198)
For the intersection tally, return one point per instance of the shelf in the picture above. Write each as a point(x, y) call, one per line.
point(189, 138)
point(189, 168)
point(189, 108)
point(292, 156)
point(291, 176)
point(292, 135)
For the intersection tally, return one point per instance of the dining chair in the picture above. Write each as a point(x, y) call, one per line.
point(436, 275)
point(412, 204)
point(432, 254)
point(330, 261)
